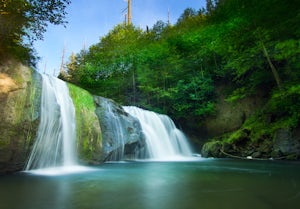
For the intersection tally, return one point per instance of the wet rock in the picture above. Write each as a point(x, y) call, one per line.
point(212, 149)
point(88, 131)
point(256, 154)
point(122, 135)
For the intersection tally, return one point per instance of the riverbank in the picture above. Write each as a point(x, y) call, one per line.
point(283, 145)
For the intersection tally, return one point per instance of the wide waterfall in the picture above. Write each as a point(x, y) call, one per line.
point(164, 141)
point(55, 143)
point(131, 134)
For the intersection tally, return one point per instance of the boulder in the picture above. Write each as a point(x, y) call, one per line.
point(122, 136)
point(212, 149)
point(286, 144)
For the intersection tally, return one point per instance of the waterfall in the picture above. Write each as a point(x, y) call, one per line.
point(122, 133)
point(164, 141)
point(55, 143)
point(116, 131)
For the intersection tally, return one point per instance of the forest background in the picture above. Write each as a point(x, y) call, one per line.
point(250, 47)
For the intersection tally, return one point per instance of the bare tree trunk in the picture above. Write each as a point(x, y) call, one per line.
point(274, 70)
point(129, 12)
point(62, 70)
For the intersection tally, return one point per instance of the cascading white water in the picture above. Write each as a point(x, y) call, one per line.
point(164, 141)
point(115, 126)
point(55, 143)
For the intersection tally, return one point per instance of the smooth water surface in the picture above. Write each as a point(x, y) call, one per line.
point(203, 184)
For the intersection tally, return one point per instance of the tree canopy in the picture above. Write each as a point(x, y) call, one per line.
point(24, 21)
point(251, 46)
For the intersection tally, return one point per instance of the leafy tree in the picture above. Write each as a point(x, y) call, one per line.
point(109, 67)
point(24, 21)
point(251, 46)
point(157, 31)
point(188, 13)
point(210, 6)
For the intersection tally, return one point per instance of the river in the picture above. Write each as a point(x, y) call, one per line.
point(199, 184)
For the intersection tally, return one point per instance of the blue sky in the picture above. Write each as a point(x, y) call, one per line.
point(89, 20)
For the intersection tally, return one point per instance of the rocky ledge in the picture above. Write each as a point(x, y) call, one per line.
point(284, 144)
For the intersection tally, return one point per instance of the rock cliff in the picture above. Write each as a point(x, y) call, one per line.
point(19, 114)
point(246, 129)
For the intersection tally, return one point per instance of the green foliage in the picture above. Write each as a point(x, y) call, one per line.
point(285, 105)
point(281, 111)
point(251, 45)
point(81, 98)
point(108, 66)
point(194, 98)
point(237, 94)
point(24, 21)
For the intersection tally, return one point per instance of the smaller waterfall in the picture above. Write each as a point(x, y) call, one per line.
point(122, 133)
point(117, 132)
point(55, 143)
point(164, 141)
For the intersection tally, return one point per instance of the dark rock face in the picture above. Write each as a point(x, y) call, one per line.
point(285, 144)
point(122, 136)
point(229, 116)
point(19, 114)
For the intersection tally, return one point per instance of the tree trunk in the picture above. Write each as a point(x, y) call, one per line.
point(274, 70)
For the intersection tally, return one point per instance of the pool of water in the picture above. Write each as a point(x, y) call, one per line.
point(202, 184)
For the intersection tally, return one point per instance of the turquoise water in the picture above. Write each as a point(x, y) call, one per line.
point(203, 184)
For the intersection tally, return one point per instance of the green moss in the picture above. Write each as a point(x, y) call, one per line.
point(81, 97)
point(89, 136)
point(15, 72)
point(237, 94)
point(212, 149)
point(235, 136)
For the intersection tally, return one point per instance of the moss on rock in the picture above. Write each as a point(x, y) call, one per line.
point(18, 114)
point(89, 136)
